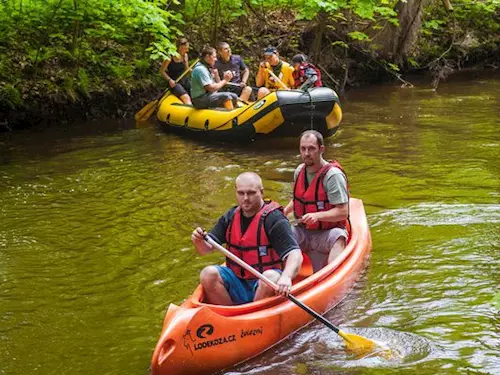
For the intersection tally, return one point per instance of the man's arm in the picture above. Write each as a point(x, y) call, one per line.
point(245, 75)
point(293, 263)
point(289, 208)
point(337, 213)
point(283, 241)
point(217, 233)
point(198, 239)
point(260, 80)
point(214, 86)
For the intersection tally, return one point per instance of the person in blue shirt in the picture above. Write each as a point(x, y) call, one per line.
point(204, 88)
point(227, 61)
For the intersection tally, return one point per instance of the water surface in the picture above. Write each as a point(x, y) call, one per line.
point(95, 226)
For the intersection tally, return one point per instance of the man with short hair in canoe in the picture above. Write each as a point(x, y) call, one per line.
point(273, 66)
point(258, 233)
point(320, 203)
point(234, 63)
point(204, 89)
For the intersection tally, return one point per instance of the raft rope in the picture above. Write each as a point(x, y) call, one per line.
point(311, 107)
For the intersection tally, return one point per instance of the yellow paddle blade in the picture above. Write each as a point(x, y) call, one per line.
point(363, 347)
point(146, 111)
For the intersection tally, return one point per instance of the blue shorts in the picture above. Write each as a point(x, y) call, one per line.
point(240, 290)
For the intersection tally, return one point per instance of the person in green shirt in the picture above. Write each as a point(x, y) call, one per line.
point(204, 88)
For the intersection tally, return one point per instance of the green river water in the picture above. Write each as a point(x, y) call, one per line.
point(95, 224)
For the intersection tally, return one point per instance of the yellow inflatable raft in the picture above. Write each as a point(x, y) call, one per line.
point(283, 113)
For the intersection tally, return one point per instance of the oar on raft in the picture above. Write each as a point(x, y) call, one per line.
point(150, 108)
point(359, 345)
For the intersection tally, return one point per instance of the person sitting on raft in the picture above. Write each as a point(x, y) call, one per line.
point(204, 88)
point(305, 74)
point(281, 69)
point(173, 67)
point(234, 63)
point(257, 232)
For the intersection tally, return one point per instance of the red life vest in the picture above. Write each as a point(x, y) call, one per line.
point(300, 77)
point(313, 198)
point(253, 247)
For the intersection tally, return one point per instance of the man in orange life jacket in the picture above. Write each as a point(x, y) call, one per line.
point(320, 202)
point(258, 232)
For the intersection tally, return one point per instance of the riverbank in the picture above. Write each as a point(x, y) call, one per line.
point(84, 64)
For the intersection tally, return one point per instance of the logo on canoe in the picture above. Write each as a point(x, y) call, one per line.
point(203, 332)
point(188, 340)
point(207, 329)
point(259, 104)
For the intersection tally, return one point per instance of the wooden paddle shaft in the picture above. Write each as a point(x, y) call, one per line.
point(277, 79)
point(273, 285)
point(305, 83)
point(187, 70)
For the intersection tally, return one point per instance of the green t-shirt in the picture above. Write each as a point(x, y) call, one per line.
point(200, 77)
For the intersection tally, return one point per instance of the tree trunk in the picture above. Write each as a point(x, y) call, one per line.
point(315, 51)
point(397, 42)
point(447, 5)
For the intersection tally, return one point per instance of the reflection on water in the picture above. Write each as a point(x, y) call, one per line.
point(96, 222)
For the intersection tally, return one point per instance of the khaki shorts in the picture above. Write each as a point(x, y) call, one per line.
point(318, 243)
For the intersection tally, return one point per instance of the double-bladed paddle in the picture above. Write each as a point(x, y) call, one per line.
point(359, 345)
point(150, 108)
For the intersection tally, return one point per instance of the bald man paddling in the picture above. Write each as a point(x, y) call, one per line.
point(257, 232)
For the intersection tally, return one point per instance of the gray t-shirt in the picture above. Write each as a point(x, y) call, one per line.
point(334, 183)
point(200, 77)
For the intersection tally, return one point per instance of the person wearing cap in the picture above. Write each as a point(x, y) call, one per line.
point(204, 88)
point(305, 74)
point(173, 67)
point(227, 61)
point(280, 68)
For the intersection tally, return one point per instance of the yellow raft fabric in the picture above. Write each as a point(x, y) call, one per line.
point(265, 115)
point(172, 112)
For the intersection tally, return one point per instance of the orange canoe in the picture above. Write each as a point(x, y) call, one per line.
point(200, 338)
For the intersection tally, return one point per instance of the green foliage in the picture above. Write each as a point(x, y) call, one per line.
point(74, 47)
point(340, 44)
point(83, 82)
point(472, 26)
point(10, 95)
point(357, 35)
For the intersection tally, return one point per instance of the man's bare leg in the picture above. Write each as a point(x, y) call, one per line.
point(213, 286)
point(264, 290)
point(245, 93)
point(337, 248)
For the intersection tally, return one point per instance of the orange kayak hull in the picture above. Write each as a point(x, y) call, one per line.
point(199, 338)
